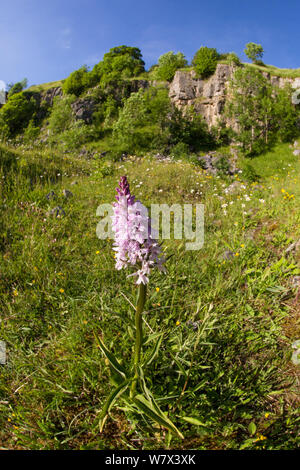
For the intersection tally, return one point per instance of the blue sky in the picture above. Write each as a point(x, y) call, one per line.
point(45, 41)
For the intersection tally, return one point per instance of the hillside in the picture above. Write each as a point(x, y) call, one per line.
point(121, 108)
point(229, 312)
point(203, 356)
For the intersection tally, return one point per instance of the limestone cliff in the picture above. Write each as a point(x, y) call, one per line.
point(208, 96)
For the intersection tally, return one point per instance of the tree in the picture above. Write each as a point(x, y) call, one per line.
point(142, 120)
point(76, 82)
point(168, 64)
point(150, 121)
point(119, 63)
point(263, 113)
point(17, 112)
point(14, 88)
point(254, 51)
point(205, 61)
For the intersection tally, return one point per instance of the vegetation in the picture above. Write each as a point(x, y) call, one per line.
point(263, 113)
point(228, 313)
point(119, 63)
point(77, 82)
point(14, 88)
point(168, 64)
point(254, 51)
point(148, 121)
point(205, 61)
point(16, 113)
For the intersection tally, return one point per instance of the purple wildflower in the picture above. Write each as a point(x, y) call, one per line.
point(134, 244)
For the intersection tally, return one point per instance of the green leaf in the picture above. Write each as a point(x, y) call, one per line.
point(151, 338)
point(154, 351)
point(181, 368)
point(111, 358)
point(192, 420)
point(114, 395)
point(151, 409)
point(252, 428)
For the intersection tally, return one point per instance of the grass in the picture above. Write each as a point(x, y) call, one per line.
point(45, 86)
point(228, 312)
point(278, 72)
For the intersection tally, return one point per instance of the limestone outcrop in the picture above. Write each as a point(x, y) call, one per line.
point(208, 96)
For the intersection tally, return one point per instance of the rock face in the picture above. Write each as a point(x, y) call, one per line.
point(207, 96)
point(83, 108)
point(137, 84)
point(50, 94)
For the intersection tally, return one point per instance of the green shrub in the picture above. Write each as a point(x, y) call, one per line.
point(118, 64)
point(287, 115)
point(31, 132)
point(142, 120)
point(233, 59)
point(223, 165)
point(110, 111)
point(17, 112)
point(249, 173)
point(205, 61)
point(61, 114)
point(14, 88)
point(76, 82)
point(149, 121)
point(76, 136)
point(180, 150)
point(189, 128)
point(264, 113)
point(168, 64)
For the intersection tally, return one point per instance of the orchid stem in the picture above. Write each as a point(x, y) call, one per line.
point(142, 292)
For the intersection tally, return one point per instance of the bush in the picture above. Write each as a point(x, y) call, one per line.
point(189, 128)
point(168, 64)
point(205, 61)
point(31, 132)
point(141, 121)
point(61, 114)
point(76, 136)
point(76, 82)
point(118, 64)
point(233, 59)
point(14, 88)
point(223, 165)
point(17, 112)
point(180, 150)
point(249, 173)
point(150, 121)
point(263, 113)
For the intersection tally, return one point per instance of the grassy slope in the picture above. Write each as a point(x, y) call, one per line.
point(272, 70)
point(45, 86)
point(58, 287)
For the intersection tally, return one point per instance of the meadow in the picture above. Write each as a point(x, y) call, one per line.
point(229, 313)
